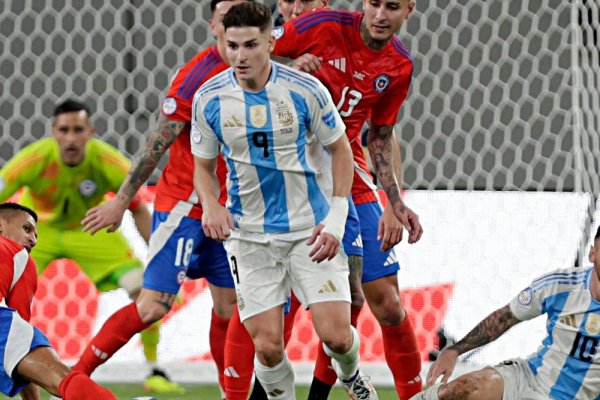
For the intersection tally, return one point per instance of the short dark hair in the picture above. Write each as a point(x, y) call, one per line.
point(213, 4)
point(8, 210)
point(597, 234)
point(249, 14)
point(71, 105)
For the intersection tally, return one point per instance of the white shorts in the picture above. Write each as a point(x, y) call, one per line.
point(519, 381)
point(266, 266)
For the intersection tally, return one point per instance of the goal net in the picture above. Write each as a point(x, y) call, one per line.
point(504, 98)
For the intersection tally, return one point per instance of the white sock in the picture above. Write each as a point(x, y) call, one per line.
point(431, 393)
point(278, 381)
point(347, 362)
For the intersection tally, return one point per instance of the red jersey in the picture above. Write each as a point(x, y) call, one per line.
point(363, 83)
point(175, 184)
point(18, 277)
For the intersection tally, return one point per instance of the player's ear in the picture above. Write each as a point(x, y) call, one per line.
point(272, 41)
point(411, 8)
point(592, 255)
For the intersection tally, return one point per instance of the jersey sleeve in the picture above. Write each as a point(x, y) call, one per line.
point(529, 303)
point(286, 41)
point(385, 111)
point(21, 170)
point(21, 294)
point(326, 122)
point(204, 141)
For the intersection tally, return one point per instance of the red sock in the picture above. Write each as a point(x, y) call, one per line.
point(217, 336)
point(289, 318)
point(114, 334)
point(79, 386)
point(403, 358)
point(323, 370)
point(239, 359)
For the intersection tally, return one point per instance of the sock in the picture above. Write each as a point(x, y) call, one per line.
point(258, 392)
point(238, 359)
point(278, 380)
point(347, 362)
point(325, 375)
point(79, 386)
point(217, 337)
point(150, 337)
point(114, 334)
point(403, 358)
point(319, 390)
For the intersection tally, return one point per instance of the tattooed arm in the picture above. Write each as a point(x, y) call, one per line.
point(384, 152)
point(488, 330)
point(110, 213)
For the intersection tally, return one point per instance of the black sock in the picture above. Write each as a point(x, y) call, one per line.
point(258, 393)
point(319, 390)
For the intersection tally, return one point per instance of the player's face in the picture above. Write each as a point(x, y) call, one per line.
point(21, 228)
point(383, 18)
point(72, 131)
point(248, 51)
point(216, 22)
point(594, 257)
point(290, 9)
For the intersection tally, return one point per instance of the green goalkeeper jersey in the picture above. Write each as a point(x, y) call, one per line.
point(61, 195)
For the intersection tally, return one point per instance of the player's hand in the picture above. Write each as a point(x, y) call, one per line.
point(307, 63)
point(217, 222)
point(390, 229)
point(410, 220)
point(108, 214)
point(326, 246)
point(443, 366)
point(31, 392)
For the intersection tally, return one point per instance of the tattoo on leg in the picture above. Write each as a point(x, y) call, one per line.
point(166, 300)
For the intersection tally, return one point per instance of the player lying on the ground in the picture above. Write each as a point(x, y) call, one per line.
point(28, 361)
point(566, 365)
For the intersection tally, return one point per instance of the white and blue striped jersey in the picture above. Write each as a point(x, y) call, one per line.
point(567, 364)
point(279, 171)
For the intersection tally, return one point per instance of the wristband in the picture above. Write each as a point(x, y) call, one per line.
point(335, 222)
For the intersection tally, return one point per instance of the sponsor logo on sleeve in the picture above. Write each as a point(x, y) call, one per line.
point(525, 296)
point(169, 106)
point(329, 119)
point(277, 32)
point(382, 82)
point(196, 134)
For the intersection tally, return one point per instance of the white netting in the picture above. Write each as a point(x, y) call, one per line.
point(505, 93)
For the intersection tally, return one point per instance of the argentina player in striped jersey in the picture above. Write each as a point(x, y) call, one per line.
point(289, 178)
point(565, 366)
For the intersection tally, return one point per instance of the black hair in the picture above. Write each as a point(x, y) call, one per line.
point(71, 105)
point(597, 234)
point(249, 14)
point(213, 4)
point(7, 210)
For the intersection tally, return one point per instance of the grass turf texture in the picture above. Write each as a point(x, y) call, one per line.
point(210, 392)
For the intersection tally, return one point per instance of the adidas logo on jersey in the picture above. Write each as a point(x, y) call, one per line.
point(358, 242)
point(231, 372)
point(329, 287)
point(232, 122)
point(339, 63)
point(390, 260)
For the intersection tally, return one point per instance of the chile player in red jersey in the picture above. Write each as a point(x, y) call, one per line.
point(177, 245)
point(27, 360)
point(368, 72)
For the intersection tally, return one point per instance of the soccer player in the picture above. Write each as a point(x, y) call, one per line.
point(565, 366)
point(27, 360)
point(287, 198)
point(63, 176)
point(289, 9)
point(368, 72)
point(177, 247)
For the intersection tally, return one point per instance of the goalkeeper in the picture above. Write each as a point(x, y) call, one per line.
point(65, 175)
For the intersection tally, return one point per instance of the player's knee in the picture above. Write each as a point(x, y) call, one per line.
point(483, 384)
point(151, 311)
point(389, 311)
point(340, 340)
point(269, 350)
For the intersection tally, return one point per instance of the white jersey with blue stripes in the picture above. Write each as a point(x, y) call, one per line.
point(567, 364)
point(279, 170)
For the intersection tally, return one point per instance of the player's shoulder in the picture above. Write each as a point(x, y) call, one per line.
point(300, 81)
point(563, 279)
point(102, 154)
point(219, 83)
point(9, 248)
point(399, 49)
point(324, 19)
